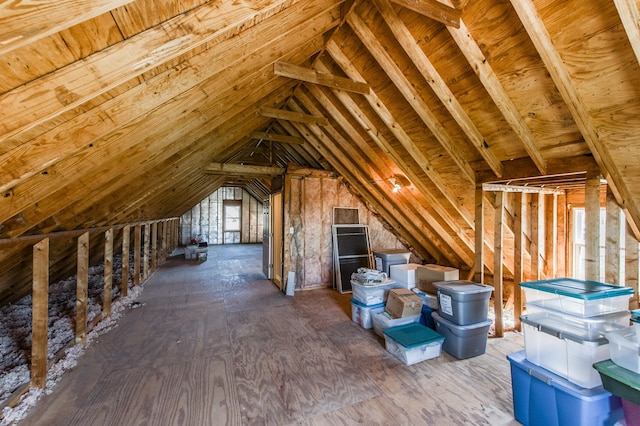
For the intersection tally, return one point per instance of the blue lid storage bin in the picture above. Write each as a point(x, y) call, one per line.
point(413, 343)
point(543, 398)
point(577, 297)
point(362, 314)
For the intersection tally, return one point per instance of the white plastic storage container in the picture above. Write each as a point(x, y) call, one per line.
point(624, 346)
point(404, 275)
point(371, 294)
point(362, 314)
point(412, 343)
point(426, 275)
point(567, 355)
point(577, 297)
point(383, 320)
point(586, 328)
point(463, 302)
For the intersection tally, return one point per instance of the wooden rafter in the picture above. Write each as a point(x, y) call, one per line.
point(433, 78)
point(282, 114)
point(562, 77)
point(277, 137)
point(630, 17)
point(33, 103)
point(433, 9)
point(324, 79)
point(22, 23)
point(492, 84)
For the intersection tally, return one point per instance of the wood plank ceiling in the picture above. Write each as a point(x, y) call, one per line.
point(115, 111)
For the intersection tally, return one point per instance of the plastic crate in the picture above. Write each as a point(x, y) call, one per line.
point(586, 328)
point(577, 297)
point(413, 343)
point(362, 314)
point(567, 355)
point(462, 341)
point(624, 346)
point(371, 294)
point(543, 398)
point(463, 302)
point(383, 320)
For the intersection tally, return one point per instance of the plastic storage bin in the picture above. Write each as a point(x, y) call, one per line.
point(385, 258)
point(412, 343)
point(462, 341)
point(624, 347)
point(625, 384)
point(577, 297)
point(404, 275)
point(587, 328)
point(428, 299)
point(543, 398)
point(362, 314)
point(383, 320)
point(463, 302)
point(567, 355)
point(371, 294)
point(426, 318)
point(426, 275)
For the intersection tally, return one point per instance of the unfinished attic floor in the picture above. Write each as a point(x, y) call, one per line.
point(216, 343)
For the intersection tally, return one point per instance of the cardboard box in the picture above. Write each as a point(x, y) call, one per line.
point(426, 275)
point(403, 303)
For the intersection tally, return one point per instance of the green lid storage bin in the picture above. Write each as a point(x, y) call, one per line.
point(413, 343)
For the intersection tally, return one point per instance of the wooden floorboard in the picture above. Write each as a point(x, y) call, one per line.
point(215, 343)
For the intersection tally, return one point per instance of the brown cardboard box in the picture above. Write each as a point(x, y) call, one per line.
point(403, 303)
point(426, 275)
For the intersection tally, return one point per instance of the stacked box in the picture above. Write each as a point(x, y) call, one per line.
point(403, 303)
point(463, 341)
point(463, 302)
point(426, 275)
point(404, 275)
point(543, 398)
point(412, 343)
point(383, 321)
point(385, 258)
point(362, 314)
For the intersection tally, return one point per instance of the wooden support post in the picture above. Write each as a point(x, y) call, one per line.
point(535, 236)
point(479, 235)
point(124, 284)
point(162, 242)
point(108, 274)
point(592, 225)
point(498, 290)
point(551, 235)
point(154, 246)
point(40, 314)
point(137, 235)
point(562, 259)
point(631, 266)
point(612, 243)
point(518, 252)
point(82, 289)
point(147, 247)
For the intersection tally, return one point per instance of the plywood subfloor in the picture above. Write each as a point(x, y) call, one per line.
point(216, 343)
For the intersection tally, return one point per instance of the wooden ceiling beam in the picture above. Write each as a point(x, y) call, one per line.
point(630, 17)
point(561, 76)
point(169, 87)
point(324, 79)
point(493, 86)
point(431, 75)
point(433, 9)
point(276, 137)
point(242, 170)
point(24, 22)
point(418, 156)
point(66, 88)
point(282, 114)
point(370, 157)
